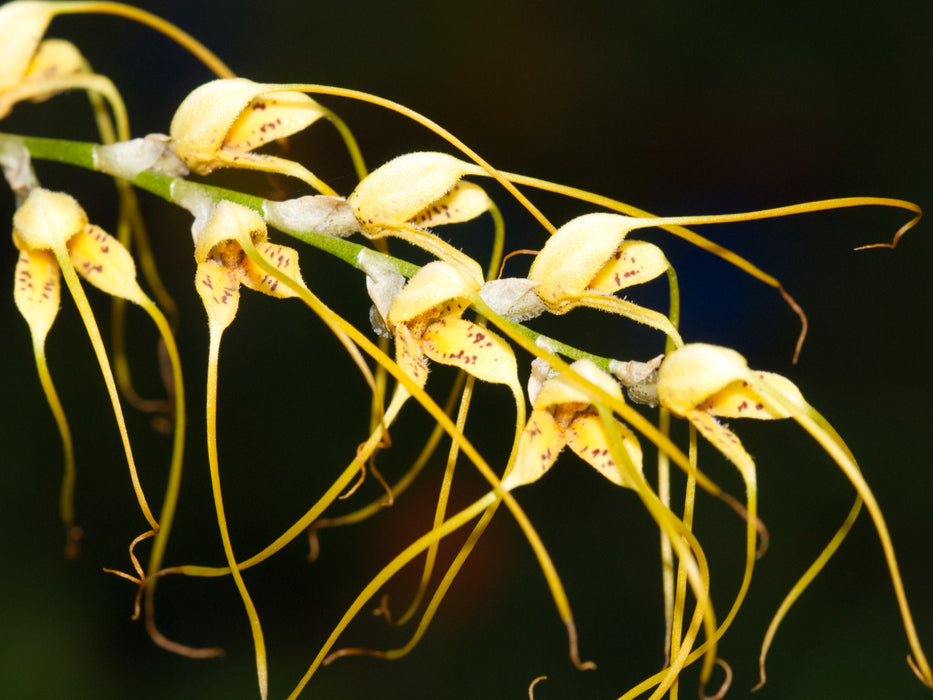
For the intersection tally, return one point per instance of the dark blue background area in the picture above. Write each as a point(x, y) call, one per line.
point(676, 107)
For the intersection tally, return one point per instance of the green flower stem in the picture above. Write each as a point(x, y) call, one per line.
point(80, 153)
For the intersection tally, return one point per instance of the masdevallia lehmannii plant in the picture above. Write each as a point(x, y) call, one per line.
point(446, 312)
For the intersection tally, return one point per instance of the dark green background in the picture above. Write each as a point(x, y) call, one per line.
point(677, 107)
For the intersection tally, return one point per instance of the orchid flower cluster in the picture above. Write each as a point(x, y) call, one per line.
point(614, 413)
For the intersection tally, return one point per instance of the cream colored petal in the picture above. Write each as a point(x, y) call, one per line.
point(219, 288)
point(281, 257)
point(464, 202)
point(633, 263)
point(690, 375)
point(103, 261)
point(538, 447)
point(271, 116)
point(474, 349)
point(586, 436)
point(404, 187)
point(37, 291)
point(47, 220)
point(575, 253)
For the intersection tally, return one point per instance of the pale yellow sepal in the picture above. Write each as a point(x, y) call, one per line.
point(740, 400)
point(22, 26)
point(433, 284)
point(464, 202)
point(538, 447)
point(47, 220)
point(586, 436)
point(574, 255)
point(693, 373)
point(104, 262)
point(270, 117)
point(219, 289)
point(562, 388)
point(409, 356)
point(472, 348)
point(413, 186)
point(55, 57)
point(282, 258)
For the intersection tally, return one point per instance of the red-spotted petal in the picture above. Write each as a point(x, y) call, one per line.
point(474, 349)
point(586, 435)
point(538, 447)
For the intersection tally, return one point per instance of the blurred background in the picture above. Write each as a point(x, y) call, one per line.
point(676, 107)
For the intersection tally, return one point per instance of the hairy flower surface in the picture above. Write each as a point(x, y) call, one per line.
point(587, 260)
point(54, 236)
point(414, 192)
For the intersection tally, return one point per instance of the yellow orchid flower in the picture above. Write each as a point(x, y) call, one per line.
point(221, 123)
point(54, 238)
point(563, 416)
point(222, 252)
point(416, 191)
point(587, 260)
point(425, 318)
point(35, 69)
point(701, 381)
